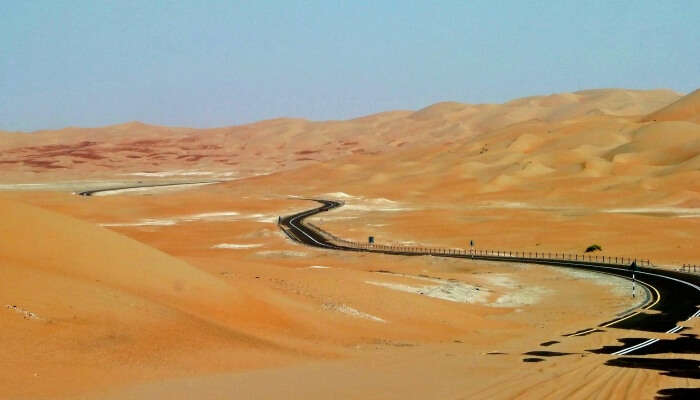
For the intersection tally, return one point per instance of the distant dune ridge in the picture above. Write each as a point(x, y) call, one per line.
point(640, 146)
point(284, 144)
point(626, 140)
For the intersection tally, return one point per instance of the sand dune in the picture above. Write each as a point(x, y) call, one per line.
point(196, 294)
point(140, 150)
point(686, 108)
point(98, 294)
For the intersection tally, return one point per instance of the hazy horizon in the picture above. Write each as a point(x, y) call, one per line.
point(291, 117)
point(220, 64)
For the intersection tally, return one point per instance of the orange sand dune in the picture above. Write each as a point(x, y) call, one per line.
point(138, 150)
point(95, 296)
point(195, 293)
point(687, 108)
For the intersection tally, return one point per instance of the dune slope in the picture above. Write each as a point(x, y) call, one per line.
point(686, 108)
point(72, 293)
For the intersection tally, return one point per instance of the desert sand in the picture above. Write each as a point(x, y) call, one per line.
point(195, 293)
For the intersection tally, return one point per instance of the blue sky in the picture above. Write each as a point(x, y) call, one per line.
point(216, 63)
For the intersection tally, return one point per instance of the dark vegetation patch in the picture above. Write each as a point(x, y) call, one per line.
point(593, 247)
point(549, 343)
point(532, 359)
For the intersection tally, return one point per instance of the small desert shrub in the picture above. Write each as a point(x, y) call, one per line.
point(592, 248)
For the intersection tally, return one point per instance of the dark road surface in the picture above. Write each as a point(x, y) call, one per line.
point(93, 191)
point(674, 295)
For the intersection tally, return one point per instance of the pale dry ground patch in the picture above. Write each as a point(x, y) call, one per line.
point(135, 339)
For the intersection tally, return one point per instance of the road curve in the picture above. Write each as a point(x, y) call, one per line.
point(674, 295)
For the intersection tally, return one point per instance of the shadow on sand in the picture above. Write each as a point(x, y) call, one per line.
point(678, 394)
point(685, 344)
point(675, 367)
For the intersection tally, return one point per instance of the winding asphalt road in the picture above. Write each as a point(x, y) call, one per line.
point(675, 296)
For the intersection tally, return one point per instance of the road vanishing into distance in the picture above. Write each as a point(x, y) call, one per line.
point(91, 192)
point(673, 296)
